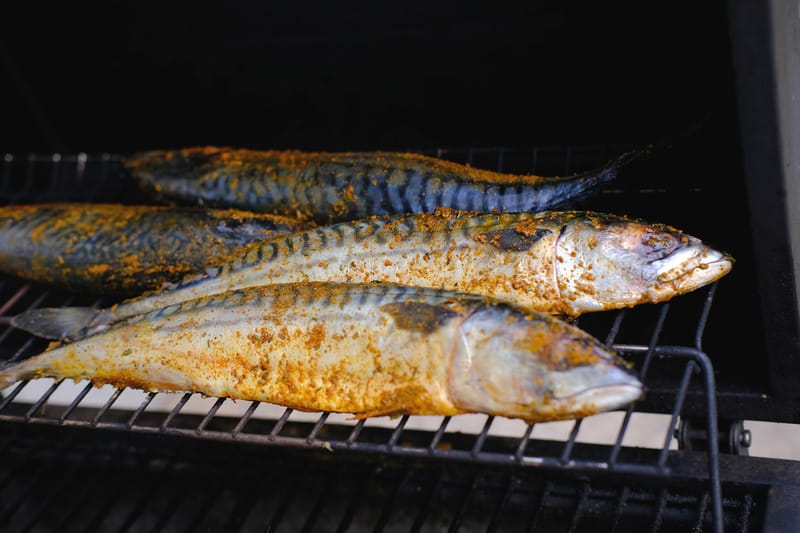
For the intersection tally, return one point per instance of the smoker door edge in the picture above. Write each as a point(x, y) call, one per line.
point(766, 61)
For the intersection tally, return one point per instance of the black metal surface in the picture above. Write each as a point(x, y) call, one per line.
point(671, 372)
point(763, 48)
point(101, 482)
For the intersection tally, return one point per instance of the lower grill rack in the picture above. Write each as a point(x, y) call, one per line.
point(447, 462)
point(476, 439)
point(149, 483)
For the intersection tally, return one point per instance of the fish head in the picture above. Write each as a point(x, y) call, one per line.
point(533, 366)
point(606, 262)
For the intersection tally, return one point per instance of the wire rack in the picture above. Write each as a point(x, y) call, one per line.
point(150, 483)
point(671, 371)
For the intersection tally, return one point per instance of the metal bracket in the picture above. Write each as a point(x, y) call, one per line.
point(731, 436)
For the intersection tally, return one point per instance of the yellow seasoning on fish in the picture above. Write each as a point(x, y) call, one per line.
point(329, 187)
point(123, 249)
point(559, 262)
point(367, 349)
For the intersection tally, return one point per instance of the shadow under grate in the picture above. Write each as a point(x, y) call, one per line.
point(666, 353)
point(63, 480)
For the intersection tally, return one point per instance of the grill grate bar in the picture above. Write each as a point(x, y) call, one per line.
point(351, 439)
point(211, 413)
point(136, 414)
point(619, 508)
point(437, 437)
point(175, 500)
point(318, 426)
point(496, 518)
point(523, 442)
point(658, 519)
point(651, 347)
point(542, 503)
point(245, 418)
point(156, 479)
point(397, 432)
point(285, 502)
point(78, 399)
point(673, 423)
point(13, 394)
point(427, 501)
point(8, 331)
point(476, 449)
point(42, 400)
point(174, 412)
point(106, 407)
point(747, 509)
point(355, 503)
point(319, 504)
point(386, 510)
point(576, 427)
point(703, 320)
point(455, 524)
point(280, 423)
point(8, 304)
point(202, 510)
point(615, 327)
point(583, 499)
point(702, 505)
point(55, 172)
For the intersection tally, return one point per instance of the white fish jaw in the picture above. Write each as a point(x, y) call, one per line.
point(688, 269)
point(595, 389)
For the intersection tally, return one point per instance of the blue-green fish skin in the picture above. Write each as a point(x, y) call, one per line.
point(560, 262)
point(116, 249)
point(329, 187)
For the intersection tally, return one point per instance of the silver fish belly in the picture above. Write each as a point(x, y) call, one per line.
point(564, 263)
point(369, 350)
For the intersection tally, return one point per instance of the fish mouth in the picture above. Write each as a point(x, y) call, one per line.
point(606, 397)
point(691, 268)
point(615, 387)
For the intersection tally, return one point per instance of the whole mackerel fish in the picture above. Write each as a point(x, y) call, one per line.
point(366, 349)
point(329, 187)
point(123, 249)
point(559, 262)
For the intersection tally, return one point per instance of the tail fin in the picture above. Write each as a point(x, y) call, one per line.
point(13, 372)
point(67, 323)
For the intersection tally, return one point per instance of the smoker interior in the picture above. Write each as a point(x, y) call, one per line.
point(97, 483)
point(545, 87)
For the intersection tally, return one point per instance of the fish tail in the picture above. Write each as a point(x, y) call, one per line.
point(62, 323)
point(11, 373)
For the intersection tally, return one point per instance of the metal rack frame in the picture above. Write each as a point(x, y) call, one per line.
point(91, 177)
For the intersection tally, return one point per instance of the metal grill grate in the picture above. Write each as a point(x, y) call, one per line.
point(163, 484)
point(671, 371)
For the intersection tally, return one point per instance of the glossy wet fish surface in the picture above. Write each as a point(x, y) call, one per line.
point(559, 262)
point(113, 249)
point(367, 349)
point(330, 187)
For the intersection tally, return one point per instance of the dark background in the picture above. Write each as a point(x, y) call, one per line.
point(333, 75)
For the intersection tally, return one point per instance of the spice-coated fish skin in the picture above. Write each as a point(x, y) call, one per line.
point(332, 187)
point(123, 249)
point(367, 349)
point(560, 262)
